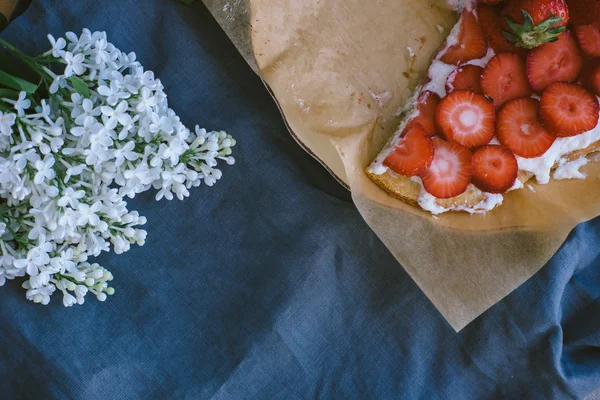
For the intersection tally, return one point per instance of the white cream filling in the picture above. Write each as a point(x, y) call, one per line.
point(430, 203)
point(570, 170)
point(458, 5)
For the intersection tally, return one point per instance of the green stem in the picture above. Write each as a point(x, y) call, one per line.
point(20, 240)
point(46, 59)
point(30, 61)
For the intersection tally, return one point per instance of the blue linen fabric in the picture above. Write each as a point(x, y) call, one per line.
point(270, 285)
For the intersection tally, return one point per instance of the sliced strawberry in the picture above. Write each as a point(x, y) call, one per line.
point(413, 153)
point(471, 43)
point(466, 118)
point(590, 77)
point(584, 12)
point(589, 39)
point(495, 168)
point(504, 78)
point(467, 77)
point(493, 24)
point(567, 109)
point(426, 104)
point(559, 61)
point(518, 128)
point(450, 172)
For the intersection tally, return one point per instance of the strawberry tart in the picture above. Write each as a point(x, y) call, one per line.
point(511, 96)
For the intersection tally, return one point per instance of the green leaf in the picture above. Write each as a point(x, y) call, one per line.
point(9, 94)
point(187, 1)
point(3, 22)
point(80, 86)
point(16, 83)
point(527, 21)
point(510, 37)
point(549, 23)
point(557, 31)
point(516, 28)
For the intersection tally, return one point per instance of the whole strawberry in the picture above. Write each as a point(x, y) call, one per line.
point(532, 23)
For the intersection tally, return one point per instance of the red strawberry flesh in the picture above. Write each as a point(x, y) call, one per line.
point(560, 61)
point(466, 118)
point(413, 153)
point(495, 169)
point(504, 78)
point(492, 24)
point(588, 37)
point(518, 128)
point(467, 77)
point(471, 43)
point(426, 105)
point(584, 12)
point(590, 77)
point(450, 172)
point(568, 109)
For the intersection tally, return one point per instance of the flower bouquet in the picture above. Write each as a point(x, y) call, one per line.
point(94, 130)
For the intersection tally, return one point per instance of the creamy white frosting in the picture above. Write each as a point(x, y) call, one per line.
point(458, 5)
point(570, 170)
point(438, 73)
point(430, 203)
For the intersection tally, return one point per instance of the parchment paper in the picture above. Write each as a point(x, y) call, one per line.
point(7, 7)
point(340, 70)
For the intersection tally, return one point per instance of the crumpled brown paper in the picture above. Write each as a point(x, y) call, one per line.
point(7, 7)
point(340, 71)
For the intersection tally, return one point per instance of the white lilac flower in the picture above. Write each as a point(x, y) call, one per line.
point(69, 218)
point(38, 229)
point(45, 170)
point(67, 165)
point(21, 104)
point(57, 83)
point(101, 50)
point(74, 64)
point(57, 46)
point(87, 214)
point(22, 159)
point(147, 101)
point(160, 123)
point(68, 299)
point(33, 261)
point(7, 120)
point(70, 197)
point(113, 93)
point(116, 115)
point(39, 295)
point(89, 127)
point(87, 110)
point(125, 153)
